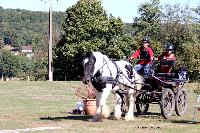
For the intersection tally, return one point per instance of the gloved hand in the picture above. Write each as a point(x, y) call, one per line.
point(130, 58)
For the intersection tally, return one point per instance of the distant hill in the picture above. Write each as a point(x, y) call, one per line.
point(21, 27)
point(24, 27)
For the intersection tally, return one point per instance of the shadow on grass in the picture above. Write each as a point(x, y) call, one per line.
point(185, 122)
point(150, 115)
point(72, 117)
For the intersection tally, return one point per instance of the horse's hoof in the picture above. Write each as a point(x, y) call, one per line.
point(106, 112)
point(117, 117)
point(97, 118)
point(127, 118)
point(132, 119)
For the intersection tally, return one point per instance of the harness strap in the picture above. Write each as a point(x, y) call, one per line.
point(100, 81)
point(118, 71)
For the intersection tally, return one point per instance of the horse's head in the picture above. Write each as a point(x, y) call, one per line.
point(88, 65)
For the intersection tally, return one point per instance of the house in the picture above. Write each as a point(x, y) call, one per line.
point(15, 51)
point(26, 49)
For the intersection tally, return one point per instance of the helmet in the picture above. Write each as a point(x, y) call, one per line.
point(146, 39)
point(169, 46)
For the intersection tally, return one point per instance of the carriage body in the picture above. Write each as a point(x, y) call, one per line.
point(165, 89)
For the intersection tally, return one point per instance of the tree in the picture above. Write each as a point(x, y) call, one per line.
point(148, 24)
point(88, 28)
point(180, 28)
point(197, 20)
point(8, 64)
point(197, 11)
point(12, 65)
point(173, 24)
point(177, 25)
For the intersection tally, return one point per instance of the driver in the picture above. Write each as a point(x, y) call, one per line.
point(145, 53)
point(167, 55)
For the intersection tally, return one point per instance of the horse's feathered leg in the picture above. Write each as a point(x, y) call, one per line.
point(130, 114)
point(106, 91)
point(102, 110)
point(118, 111)
point(97, 116)
point(98, 97)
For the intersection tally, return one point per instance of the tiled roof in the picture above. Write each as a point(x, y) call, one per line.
point(29, 47)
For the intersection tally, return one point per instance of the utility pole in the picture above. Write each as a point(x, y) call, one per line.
point(50, 70)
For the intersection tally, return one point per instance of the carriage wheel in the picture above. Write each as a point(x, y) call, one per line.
point(167, 104)
point(181, 103)
point(141, 104)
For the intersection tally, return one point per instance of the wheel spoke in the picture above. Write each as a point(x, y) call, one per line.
point(181, 102)
point(167, 103)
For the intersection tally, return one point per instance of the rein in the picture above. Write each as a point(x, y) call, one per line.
point(97, 77)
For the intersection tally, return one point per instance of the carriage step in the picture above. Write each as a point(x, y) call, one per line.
point(165, 74)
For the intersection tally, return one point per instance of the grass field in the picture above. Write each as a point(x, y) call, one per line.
point(26, 106)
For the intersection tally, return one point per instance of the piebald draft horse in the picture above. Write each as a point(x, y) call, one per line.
point(111, 76)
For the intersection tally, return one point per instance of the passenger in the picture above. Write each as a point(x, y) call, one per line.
point(145, 54)
point(167, 55)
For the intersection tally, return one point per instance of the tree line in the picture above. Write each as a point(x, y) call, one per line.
point(86, 26)
point(20, 28)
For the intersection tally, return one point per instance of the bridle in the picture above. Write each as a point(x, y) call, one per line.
point(89, 67)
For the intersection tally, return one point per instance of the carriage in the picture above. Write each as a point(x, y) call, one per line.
point(165, 89)
point(120, 77)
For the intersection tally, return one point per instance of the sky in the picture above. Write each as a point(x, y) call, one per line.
point(125, 9)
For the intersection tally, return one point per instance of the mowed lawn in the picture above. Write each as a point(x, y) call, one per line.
point(25, 106)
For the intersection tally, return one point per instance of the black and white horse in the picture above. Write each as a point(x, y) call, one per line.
point(106, 76)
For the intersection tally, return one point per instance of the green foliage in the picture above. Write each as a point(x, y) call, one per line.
point(189, 56)
point(88, 28)
point(179, 28)
point(11, 65)
point(20, 66)
point(32, 26)
point(197, 11)
point(84, 21)
point(175, 24)
point(8, 64)
point(39, 69)
point(22, 27)
point(148, 23)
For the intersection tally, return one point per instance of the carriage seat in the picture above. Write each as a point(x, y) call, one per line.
point(180, 75)
point(165, 68)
